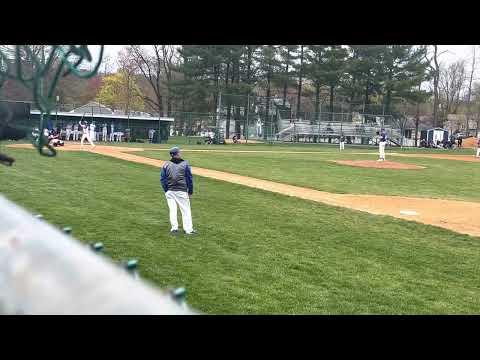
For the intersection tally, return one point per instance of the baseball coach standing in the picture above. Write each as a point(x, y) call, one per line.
point(177, 181)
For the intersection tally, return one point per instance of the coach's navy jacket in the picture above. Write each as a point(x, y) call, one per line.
point(176, 175)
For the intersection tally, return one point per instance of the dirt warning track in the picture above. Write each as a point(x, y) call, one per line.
point(460, 216)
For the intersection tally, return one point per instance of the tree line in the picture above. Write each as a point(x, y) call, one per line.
point(190, 78)
point(167, 80)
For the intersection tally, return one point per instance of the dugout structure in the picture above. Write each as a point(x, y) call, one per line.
point(14, 119)
point(135, 125)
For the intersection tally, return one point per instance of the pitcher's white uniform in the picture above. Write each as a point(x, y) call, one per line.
point(381, 146)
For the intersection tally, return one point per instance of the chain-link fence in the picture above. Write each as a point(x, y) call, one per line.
point(247, 118)
point(271, 119)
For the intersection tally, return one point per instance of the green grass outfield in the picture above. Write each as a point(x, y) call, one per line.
point(445, 179)
point(257, 252)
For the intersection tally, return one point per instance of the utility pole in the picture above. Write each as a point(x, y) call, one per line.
point(435, 85)
point(469, 96)
point(56, 110)
point(218, 116)
point(41, 86)
point(248, 110)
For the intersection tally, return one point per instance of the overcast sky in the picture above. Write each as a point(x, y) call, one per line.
point(453, 52)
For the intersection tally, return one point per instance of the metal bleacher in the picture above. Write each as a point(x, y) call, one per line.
point(304, 131)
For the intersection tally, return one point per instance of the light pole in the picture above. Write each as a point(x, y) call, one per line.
point(57, 99)
point(219, 107)
point(248, 110)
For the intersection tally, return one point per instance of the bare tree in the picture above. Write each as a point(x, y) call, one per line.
point(170, 61)
point(107, 63)
point(451, 85)
point(476, 105)
point(156, 64)
point(469, 92)
point(151, 67)
point(435, 70)
point(127, 66)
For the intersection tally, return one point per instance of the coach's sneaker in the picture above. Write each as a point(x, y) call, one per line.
point(174, 232)
point(193, 233)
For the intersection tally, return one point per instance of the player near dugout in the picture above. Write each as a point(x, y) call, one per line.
point(177, 182)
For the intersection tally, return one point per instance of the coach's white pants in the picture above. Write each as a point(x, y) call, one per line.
point(69, 132)
point(478, 152)
point(342, 145)
point(181, 199)
point(111, 138)
point(381, 149)
point(104, 135)
point(75, 135)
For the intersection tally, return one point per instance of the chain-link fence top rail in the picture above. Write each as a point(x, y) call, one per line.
point(308, 103)
point(235, 105)
point(39, 68)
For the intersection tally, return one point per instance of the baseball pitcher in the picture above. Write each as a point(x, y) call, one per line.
point(381, 145)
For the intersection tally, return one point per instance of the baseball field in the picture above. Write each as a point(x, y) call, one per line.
point(283, 229)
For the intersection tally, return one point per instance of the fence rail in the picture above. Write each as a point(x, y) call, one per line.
point(43, 271)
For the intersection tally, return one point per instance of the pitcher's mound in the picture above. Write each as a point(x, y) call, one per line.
point(379, 164)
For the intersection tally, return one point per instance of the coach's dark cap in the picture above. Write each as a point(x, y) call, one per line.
point(174, 150)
